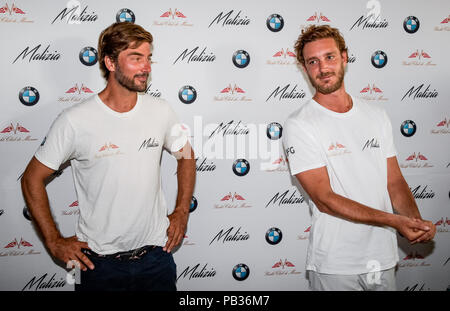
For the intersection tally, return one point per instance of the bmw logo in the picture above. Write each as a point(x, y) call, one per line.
point(125, 15)
point(273, 236)
point(194, 204)
point(275, 22)
point(26, 214)
point(408, 128)
point(379, 59)
point(241, 272)
point(411, 24)
point(29, 96)
point(88, 56)
point(187, 94)
point(241, 59)
point(274, 131)
point(241, 167)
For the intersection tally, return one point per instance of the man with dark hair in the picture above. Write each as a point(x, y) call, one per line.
point(114, 142)
point(342, 152)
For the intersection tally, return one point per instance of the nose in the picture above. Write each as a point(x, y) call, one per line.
point(147, 66)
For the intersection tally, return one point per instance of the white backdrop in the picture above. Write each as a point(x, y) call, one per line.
point(194, 43)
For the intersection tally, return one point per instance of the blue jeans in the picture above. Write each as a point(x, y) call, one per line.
point(155, 271)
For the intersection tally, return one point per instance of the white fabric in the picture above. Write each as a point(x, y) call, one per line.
point(115, 159)
point(354, 147)
point(372, 281)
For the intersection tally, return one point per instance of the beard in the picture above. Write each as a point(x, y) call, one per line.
point(128, 82)
point(328, 89)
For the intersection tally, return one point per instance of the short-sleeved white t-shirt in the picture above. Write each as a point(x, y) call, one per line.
point(354, 147)
point(115, 159)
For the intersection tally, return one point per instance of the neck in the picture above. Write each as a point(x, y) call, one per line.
point(117, 97)
point(338, 101)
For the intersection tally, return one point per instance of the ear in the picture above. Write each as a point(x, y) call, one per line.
point(344, 56)
point(109, 63)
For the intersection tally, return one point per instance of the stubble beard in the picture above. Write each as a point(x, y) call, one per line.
point(331, 88)
point(128, 82)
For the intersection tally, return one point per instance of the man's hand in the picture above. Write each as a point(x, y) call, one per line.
point(412, 228)
point(428, 235)
point(177, 228)
point(69, 249)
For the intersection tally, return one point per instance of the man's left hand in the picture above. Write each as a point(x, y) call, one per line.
point(177, 228)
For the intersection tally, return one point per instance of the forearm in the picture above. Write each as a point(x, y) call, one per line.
point(402, 199)
point(186, 181)
point(342, 207)
point(37, 202)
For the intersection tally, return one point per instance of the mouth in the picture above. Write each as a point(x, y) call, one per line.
point(142, 78)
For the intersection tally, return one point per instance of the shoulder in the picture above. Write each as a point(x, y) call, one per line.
point(301, 116)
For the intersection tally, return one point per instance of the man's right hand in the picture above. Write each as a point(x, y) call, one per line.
point(411, 228)
point(69, 249)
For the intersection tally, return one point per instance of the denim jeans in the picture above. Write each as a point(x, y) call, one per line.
point(155, 271)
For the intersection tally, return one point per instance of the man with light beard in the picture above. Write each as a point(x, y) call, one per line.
point(114, 141)
point(342, 152)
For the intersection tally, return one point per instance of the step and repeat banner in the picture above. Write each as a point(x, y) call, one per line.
point(228, 68)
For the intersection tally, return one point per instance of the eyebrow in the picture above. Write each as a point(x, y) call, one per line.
point(315, 57)
point(138, 54)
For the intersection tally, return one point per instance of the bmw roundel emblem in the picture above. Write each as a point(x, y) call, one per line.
point(241, 272)
point(379, 59)
point(408, 128)
point(241, 167)
point(411, 24)
point(187, 94)
point(125, 15)
point(275, 22)
point(194, 204)
point(241, 59)
point(273, 236)
point(88, 56)
point(274, 131)
point(29, 96)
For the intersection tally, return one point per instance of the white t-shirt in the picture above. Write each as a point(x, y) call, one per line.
point(354, 147)
point(115, 159)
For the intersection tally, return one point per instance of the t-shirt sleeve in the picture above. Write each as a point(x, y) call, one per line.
point(302, 150)
point(389, 148)
point(176, 134)
point(58, 146)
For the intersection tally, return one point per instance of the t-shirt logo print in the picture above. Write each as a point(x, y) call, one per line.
point(337, 149)
point(107, 150)
point(108, 147)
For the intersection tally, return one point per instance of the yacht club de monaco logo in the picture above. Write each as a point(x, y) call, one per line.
point(282, 268)
point(416, 160)
point(18, 247)
point(71, 210)
point(337, 149)
point(441, 127)
point(76, 93)
point(443, 225)
point(444, 25)
point(419, 58)
point(108, 150)
point(15, 132)
point(232, 93)
point(232, 200)
point(11, 13)
point(173, 18)
point(371, 92)
point(283, 56)
point(316, 18)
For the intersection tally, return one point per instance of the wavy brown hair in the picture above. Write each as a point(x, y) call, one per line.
point(313, 33)
point(117, 38)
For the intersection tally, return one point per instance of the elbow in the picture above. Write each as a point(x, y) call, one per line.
point(324, 202)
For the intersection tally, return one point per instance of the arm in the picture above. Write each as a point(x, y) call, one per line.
point(36, 198)
point(317, 184)
point(186, 180)
point(402, 198)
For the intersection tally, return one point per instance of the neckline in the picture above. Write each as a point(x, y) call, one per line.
point(337, 114)
point(127, 114)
